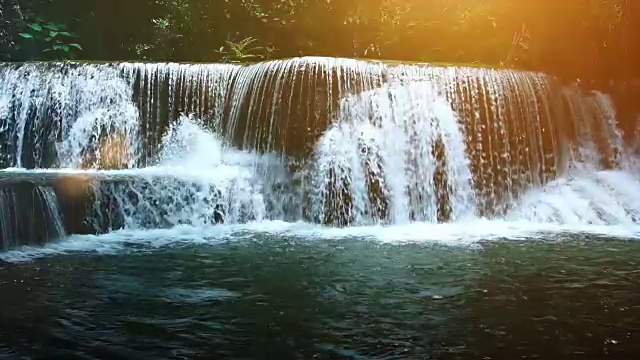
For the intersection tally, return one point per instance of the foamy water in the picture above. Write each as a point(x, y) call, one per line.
point(584, 201)
point(464, 234)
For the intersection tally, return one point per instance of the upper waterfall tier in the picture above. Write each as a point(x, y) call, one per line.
point(88, 115)
point(113, 115)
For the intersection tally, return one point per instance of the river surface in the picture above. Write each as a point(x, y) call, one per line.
point(257, 295)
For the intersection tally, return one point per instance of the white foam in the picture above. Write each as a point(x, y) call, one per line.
point(584, 201)
point(588, 196)
point(465, 234)
point(89, 102)
point(388, 136)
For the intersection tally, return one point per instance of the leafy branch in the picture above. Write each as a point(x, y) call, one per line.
point(241, 52)
point(50, 37)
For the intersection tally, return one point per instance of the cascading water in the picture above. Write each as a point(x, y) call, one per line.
point(166, 91)
point(436, 144)
point(197, 179)
point(395, 151)
point(599, 197)
point(332, 141)
point(68, 116)
point(29, 212)
point(285, 105)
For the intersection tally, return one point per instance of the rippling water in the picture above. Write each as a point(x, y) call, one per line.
point(289, 297)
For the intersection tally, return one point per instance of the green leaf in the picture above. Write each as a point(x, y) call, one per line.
point(35, 27)
point(54, 27)
point(64, 33)
point(53, 33)
point(47, 39)
point(77, 46)
point(26, 35)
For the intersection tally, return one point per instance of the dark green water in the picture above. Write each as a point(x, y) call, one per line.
point(286, 298)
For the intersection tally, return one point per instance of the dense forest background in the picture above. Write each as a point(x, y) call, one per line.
point(599, 39)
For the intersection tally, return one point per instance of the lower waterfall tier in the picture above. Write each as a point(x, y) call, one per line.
point(38, 207)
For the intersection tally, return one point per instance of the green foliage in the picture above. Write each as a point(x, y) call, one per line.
point(567, 35)
point(240, 52)
point(49, 37)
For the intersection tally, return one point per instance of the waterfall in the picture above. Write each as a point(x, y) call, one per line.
point(29, 215)
point(395, 150)
point(196, 180)
point(332, 141)
point(76, 115)
point(167, 91)
point(285, 105)
point(448, 144)
point(66, 115)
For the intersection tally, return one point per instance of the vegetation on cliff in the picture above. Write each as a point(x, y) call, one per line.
point(569, 37)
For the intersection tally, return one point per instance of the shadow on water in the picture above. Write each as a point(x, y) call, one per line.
point(285, 298)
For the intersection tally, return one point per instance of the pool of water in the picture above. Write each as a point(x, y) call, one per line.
point(286, 296)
